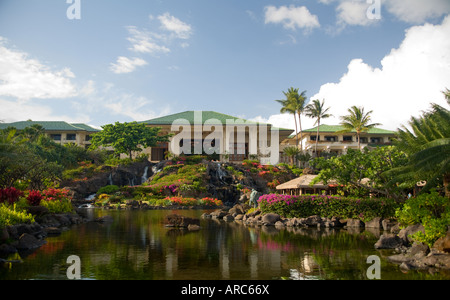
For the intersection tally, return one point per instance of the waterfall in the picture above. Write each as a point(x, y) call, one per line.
point(220, 173)
point(144, 177)
point(110, 179)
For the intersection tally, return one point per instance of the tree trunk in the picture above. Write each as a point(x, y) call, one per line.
point(447, 184)
point(317, 135)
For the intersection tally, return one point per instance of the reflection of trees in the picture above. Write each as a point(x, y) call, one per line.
point(137, 246)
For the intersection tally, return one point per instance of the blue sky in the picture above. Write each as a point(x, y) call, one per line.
point(137, 60)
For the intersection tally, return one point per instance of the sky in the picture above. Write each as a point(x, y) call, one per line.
point(105, 61)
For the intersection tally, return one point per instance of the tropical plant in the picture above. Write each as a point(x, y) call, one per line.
point(292, 152)
point(428, 145)
point(357, 120)
point(317, 110)
point(294, 104)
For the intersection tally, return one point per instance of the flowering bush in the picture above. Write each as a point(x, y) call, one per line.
point(57, 200)
point(327, 206)
point(184, 201)
point(10, 195)
point(34, 198)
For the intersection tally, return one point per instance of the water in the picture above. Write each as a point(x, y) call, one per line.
point(135, 245)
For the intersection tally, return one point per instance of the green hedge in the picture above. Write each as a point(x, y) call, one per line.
point(328, 206)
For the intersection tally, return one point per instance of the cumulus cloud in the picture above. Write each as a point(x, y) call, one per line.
point(417, 11)
point(291, 17)
point(411, 76)
point(354, 13)
point(126, 65)
point(25, 78)
point(176, 26)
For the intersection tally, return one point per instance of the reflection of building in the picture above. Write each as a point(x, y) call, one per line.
point(332, 141)
point(59, 131)
point(205, 130)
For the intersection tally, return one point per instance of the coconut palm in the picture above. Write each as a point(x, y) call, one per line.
point(357, 120)
point(292, 152)
point(317, 110)
point(294, 104)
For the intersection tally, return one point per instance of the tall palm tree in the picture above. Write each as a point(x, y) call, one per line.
point(317, 110)
point(357, 120)
point(288, 107)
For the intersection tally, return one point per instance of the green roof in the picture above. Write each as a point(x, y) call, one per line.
point(336, 128)
point(50, 126)
point(194, 116)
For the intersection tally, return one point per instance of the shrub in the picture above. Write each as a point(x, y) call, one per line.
point(430, 210)
point(57, 200)
point(10, 195)
point(11, 216)
point(34, 198)
point(327, 206)
point(109, 189)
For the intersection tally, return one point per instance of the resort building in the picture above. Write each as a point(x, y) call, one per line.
point(332, 141)
point(230, 138)
point(303, 185)
point(59, 131)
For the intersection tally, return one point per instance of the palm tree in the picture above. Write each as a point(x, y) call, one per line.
point(317, 110)
point(428, 147)
point(292, 152)
point(357, 120)
point(294, 104)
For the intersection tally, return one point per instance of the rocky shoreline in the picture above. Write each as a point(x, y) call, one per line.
point(25, 238)
point(410, 255)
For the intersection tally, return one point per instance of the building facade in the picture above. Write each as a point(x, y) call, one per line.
point(59, 131)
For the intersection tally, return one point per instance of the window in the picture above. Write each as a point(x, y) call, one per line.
point(55, 137)
point(347, 138)
point(375, 140)
point(313, 138)
point(71, 137)
point(363, 140)
point(331, 138)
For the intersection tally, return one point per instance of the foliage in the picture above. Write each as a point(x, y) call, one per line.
point(316, 110)
point(327, 206)
point(350, 169)
point(357, 120)
point(185, 201)
point(10, 195)
point(57, 200)
point(9, 215)
point(430, 210)
point(34, 198)
point(127, 137)
point(109, 189)
point(428, 147)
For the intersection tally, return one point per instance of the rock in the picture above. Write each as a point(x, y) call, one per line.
point(104, 219)
point(313, 220)
point(388, 224)
point(355, 223)
point(388, 241)
point(239, 217)
point(29, 242)
point(237, 209)
point(37, 210)
point(206, 216)
point(228, 218)
point(53, 230)
point(443, 243)
point(175, 220)
point(279, 224)
point(374, 223)
point(4, 235)
point(7, 249)
point(405, 234)
point(219, 213)
point(193, 227)
point(270, 219)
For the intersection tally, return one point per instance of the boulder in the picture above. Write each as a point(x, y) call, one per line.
point(239, 217)
point(405, 234)
point(388, 224)
point(355, 223)
point(270, 219)
point(443, 243)
point(29, 242)
point(193, 227)
point(313, 220)
point(228, 218)
point(374, 223)
point(388, 241)
point(175, 220)
point(4, 235)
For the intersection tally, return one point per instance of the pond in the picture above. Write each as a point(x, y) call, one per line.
point(136, 245)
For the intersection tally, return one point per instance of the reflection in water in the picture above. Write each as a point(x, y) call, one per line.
point(136, 245)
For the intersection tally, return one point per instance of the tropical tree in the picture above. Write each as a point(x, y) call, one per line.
point(357, 120)
point(128, 137)
point(292, 152)
point(295, 104)
point(317, 110)
point(427, 144)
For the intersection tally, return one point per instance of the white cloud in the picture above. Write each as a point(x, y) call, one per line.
point(353, 13)
point(417, 11)
point(144, 41)
point(172, 24)
point(291, 17)
point(25, 78)
point(411, 76)
point(127, 65)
